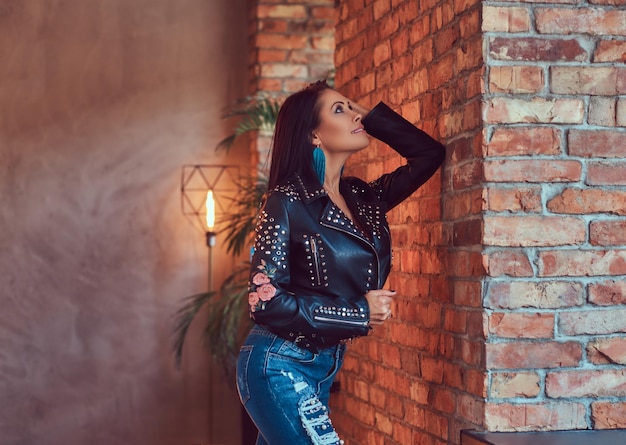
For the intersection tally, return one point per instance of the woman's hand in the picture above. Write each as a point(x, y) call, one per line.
point(379, 301)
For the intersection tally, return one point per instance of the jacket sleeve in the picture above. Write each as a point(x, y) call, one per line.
point(308, 320)
point(424, 154)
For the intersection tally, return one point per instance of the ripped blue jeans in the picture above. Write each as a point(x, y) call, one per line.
point(285, 389)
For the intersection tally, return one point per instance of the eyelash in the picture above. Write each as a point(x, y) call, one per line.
point(339, 108)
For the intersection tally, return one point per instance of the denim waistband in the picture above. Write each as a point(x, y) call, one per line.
point(265, 332)
point(257, 329)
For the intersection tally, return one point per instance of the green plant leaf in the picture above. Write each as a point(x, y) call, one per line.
point(240, 220)
point(258, 114)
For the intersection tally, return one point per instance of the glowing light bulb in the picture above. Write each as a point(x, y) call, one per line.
point(210, 210)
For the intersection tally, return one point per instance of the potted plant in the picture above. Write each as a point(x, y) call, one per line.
point(227, 320)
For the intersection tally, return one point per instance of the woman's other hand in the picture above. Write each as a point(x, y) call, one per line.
point(379, 301)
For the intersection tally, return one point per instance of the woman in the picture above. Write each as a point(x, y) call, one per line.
point(322, 255)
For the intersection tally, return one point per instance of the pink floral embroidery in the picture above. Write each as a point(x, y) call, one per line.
point(260, 278)
point(266, 292)
point(261, 289)
point(253, 300)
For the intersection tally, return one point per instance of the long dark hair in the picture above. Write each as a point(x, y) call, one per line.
point(292, 149)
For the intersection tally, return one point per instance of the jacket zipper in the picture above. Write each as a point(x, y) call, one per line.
point(315, 260)
point(333, 320)
point(363, 240)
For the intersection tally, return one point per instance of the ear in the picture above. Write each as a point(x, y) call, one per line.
point(315, 140)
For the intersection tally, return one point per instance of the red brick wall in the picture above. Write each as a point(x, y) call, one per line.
point(420, 378)
point(291, 44)
point(511, 262)
point(554, 215)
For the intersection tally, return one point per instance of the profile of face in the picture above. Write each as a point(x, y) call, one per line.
point(340, 130)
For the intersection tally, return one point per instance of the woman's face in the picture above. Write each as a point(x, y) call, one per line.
point(340, 129)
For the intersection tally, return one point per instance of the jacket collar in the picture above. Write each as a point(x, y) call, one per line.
point(308, 190)
point(372, 212)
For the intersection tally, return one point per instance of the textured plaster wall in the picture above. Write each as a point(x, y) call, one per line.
point(102, 101)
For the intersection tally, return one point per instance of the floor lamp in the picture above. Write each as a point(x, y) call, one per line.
point(205, 191)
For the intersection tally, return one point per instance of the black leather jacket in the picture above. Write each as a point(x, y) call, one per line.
point(311, 265)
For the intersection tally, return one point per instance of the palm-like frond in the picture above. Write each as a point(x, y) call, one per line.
point(183, 318)
point(227, 319)
point(240, 220)
point(258, 114)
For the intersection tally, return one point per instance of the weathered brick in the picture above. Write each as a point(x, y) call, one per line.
point(620, 112)
point(602, 111)
point(607, 233)
point(466, 233)
point(516, 79)
point(606, 173)
point(465, 264)
point(585, 201)
point(446, 40)
point(608, 2)
point(597, 143)
point(538, 110)
point(584, 80)
point(610, 51)
point(594, 21)
point(382, 53)
point(581, 383)
point(280, 41)
point(467, 174)
point(271, 55)
point(608, 292)
point(469, 22)
point(592, 322)
point(323, 12)
point(506, 385)
point(286, 70)
point(471, 408)
point(542, 294)
point(518, 199)
point(537, 49)
point(274, 85)
point(468, 55)
point(505, 19)
point(608, 415)
point(533, 355)
point(524, 141)
point(282, 11)
point(419, 31)
point(610, 350)
point(523, 325)
point(579, 262)
point(324, 43)
point(532, 171)
point(455, 320)
point(442, 400)
point(508, 262)
point(276, 26)
point(533, 230)
point(536, 416)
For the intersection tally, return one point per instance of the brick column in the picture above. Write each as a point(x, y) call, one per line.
point(554, 215)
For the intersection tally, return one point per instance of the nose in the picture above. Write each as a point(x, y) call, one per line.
point(357, 117)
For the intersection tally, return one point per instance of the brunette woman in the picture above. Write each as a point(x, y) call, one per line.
point(321, 258)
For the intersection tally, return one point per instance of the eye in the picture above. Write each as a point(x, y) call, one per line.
point(339, 109)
